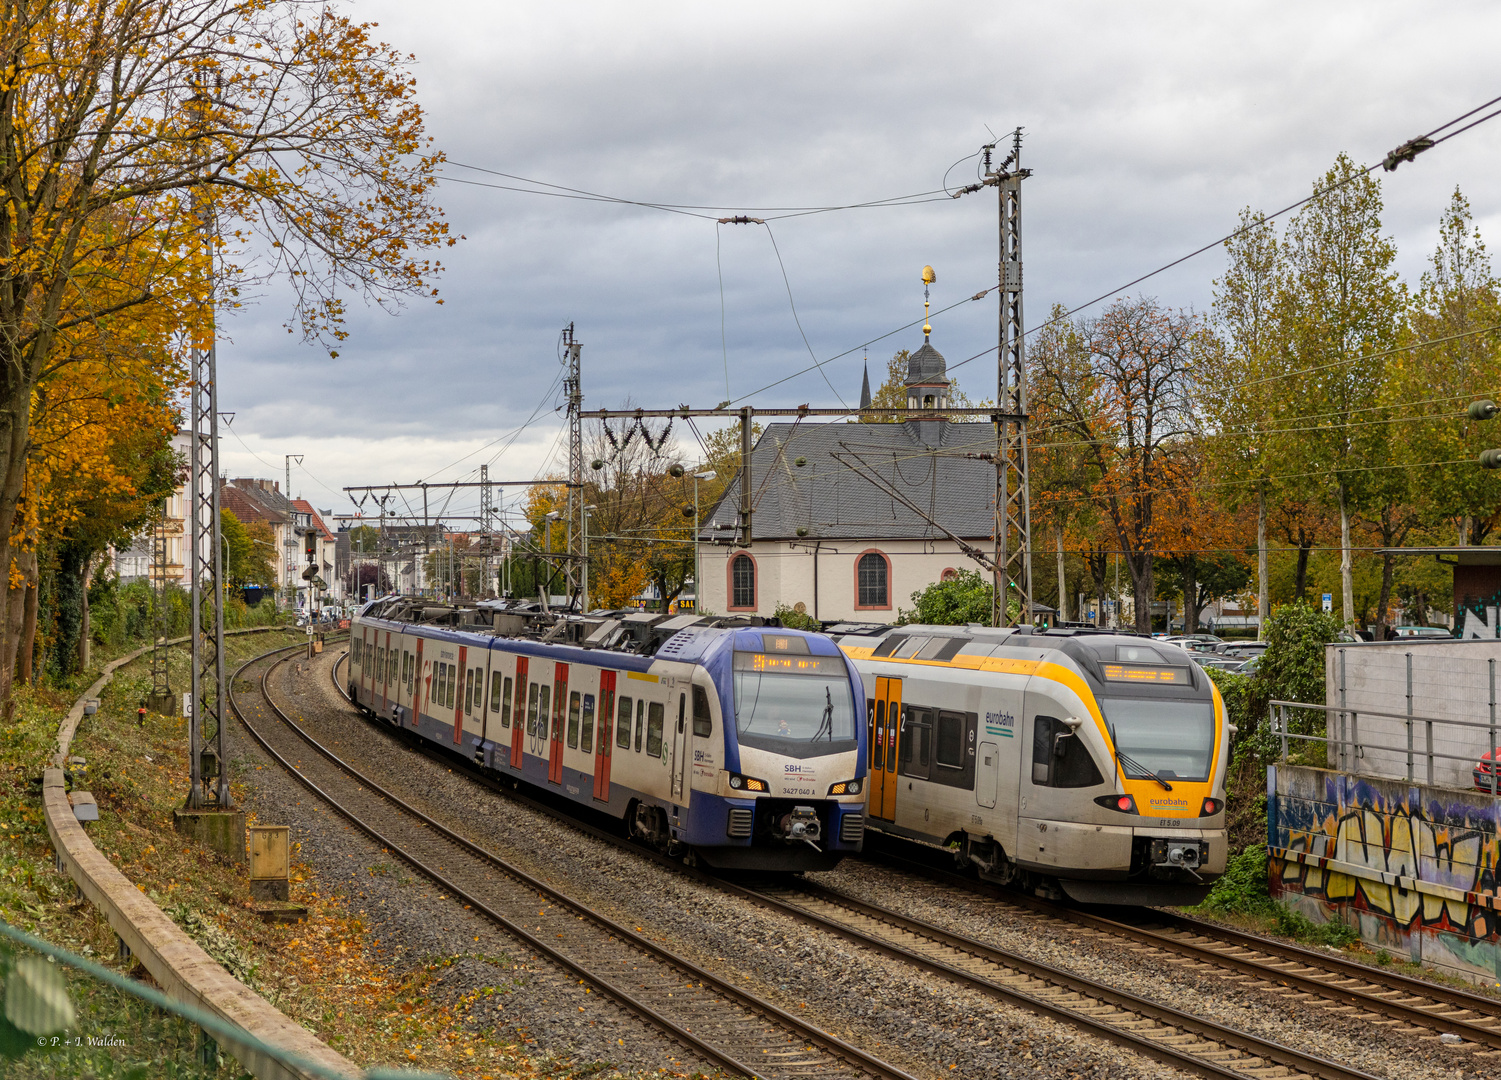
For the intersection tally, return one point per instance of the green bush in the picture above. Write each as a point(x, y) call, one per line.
point(1241, 890)
point(1292, 669)
point(963, 598)
point(796, 620)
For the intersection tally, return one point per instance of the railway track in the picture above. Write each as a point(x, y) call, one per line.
point(1155, 1030)
point(727, 1026)
point(1353, 991)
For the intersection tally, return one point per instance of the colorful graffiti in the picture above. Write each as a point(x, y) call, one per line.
point(1413, 867)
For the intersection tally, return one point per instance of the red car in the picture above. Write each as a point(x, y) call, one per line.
point(1483, 767)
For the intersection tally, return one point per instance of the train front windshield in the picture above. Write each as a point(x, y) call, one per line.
point(800, 706)
point(1173, 740)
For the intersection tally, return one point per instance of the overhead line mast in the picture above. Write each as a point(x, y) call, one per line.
point(1013, 495)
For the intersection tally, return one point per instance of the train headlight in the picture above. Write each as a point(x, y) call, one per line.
point(848, 787)
point(748, 783)
point(1212, 807)
point(1124, 803)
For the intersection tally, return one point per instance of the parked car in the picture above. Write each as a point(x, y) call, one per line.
point(1483, 768)
point(1251, 667)
point(1421, 632)
point(1243, 649)
point(1224, 663)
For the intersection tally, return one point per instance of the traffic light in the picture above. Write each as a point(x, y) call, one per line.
point(310, 546)
point(1486, 409)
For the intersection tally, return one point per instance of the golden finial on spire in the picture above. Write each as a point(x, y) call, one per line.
point(928, 277)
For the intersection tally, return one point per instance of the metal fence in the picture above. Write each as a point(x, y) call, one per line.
point(1348, 752)
point(63, 1015)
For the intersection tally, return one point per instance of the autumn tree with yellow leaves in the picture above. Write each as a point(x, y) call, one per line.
point(131, 131)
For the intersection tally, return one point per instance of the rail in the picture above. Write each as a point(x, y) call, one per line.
point(1347, 751)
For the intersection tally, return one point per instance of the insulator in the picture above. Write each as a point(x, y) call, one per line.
point(1490, 459)
point(1484, 409)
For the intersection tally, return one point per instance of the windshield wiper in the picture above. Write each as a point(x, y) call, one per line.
point(827, 723)
point(1139, 767)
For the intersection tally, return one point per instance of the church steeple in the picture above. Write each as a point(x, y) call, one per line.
point(927, 380)
point(865, 388)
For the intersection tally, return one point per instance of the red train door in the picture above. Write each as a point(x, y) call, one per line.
point(604, 734)
point(385, 670)
point(417, 685)
point(458, 699)
point(559, 717)
point(518, 718)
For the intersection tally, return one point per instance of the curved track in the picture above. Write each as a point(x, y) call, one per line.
point(1155, 1030)
point(1357, 992)
point(725, 1025)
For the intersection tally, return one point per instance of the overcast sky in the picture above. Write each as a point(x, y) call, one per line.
point(1148, 126)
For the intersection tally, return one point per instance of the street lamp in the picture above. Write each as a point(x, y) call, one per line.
point(584, 601)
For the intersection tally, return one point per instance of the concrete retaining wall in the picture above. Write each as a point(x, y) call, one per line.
point(1451, 680)
point(186, 973)
point(1412, 867)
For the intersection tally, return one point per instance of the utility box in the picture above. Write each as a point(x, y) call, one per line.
point(269, 865)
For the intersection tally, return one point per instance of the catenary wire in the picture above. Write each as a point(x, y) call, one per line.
point(895, 200)
point(1260, 222)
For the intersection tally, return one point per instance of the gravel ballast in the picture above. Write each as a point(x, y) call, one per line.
point(922, 1023)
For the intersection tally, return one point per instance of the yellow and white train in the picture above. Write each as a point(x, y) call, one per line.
point(1090, 761)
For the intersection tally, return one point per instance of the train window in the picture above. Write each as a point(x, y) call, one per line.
point(682, 710)
point(543, 708)
point(468, 690)
point(391, 661)
point(355, 646)
point(1059, 757)
point(623, 724)
point(586, 726)
point(917, 743)
point(531, 709)
point(703, 719)
point(654, 729)
point(878, 735)
point(505, 704)
point(408, 666)
point(949, 746)
point(640, 723)
point(437, 694)
point(380, 662)
point(574, 708)
point(495, 691)
point(453, 687)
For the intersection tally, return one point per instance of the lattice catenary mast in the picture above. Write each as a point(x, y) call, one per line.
point(1013, 497)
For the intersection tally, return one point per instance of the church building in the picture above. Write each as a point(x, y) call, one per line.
point(834, 530)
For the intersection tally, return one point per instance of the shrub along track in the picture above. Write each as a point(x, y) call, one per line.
point(724, 1025)
point(1152, 1029)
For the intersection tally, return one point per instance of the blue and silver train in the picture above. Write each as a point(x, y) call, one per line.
point(727, 740)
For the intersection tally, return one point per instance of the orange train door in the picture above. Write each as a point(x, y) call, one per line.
point(518, 718)
point(885, 731)
point(604, 734)
point(458, 698)
point(559, 715)
point(417, 685)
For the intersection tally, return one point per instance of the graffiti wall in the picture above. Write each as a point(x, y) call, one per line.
point(1412, 867)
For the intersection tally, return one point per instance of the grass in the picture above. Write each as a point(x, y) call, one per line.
point(325, 973)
